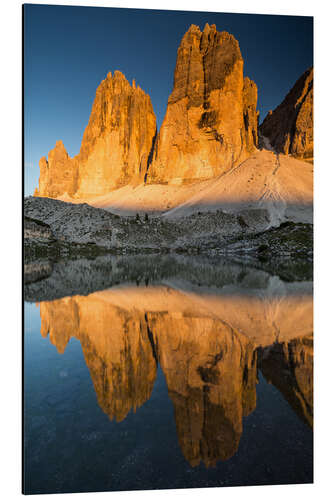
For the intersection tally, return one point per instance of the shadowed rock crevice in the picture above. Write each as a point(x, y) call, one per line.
point(154, 346)
point(150, 156)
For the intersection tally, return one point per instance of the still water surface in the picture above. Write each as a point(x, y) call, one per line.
point(169, 384)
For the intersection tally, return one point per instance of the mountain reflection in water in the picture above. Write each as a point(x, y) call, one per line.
point(210, 344)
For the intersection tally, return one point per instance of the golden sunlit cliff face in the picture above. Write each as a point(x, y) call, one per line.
point(207, 352)
point(58, 173)
point(118, 139)
point(115, 149)
point(211, 119)
point(209, 126)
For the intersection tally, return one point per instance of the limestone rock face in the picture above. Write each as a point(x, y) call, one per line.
point(58, 173)
point(37, 231)
point(250, 113)
point(211, 119)
point(118, 139)
point(115, 148)
point(289, 127)
point(209, 127)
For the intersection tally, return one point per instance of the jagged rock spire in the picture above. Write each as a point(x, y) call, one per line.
point(211, 119)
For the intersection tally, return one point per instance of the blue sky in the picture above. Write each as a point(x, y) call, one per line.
point(69, 50)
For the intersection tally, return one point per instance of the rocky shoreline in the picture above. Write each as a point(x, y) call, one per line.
point(53, 227)
point(56, 278)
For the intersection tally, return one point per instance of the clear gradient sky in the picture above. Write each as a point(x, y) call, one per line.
point(69, 50)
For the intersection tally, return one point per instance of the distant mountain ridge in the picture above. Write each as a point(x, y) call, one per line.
point(210, 124)
point(210, 127)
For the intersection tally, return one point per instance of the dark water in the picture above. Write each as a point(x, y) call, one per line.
point(194, 380)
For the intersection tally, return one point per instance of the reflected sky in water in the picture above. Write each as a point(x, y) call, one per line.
point(169, 385)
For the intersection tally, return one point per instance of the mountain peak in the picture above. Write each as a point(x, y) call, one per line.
point(204, 132)
point(289, 128)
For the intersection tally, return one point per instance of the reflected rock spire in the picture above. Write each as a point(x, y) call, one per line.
point(211, 374)
point(115, 345)
point(289, 366)
point(209, 348)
